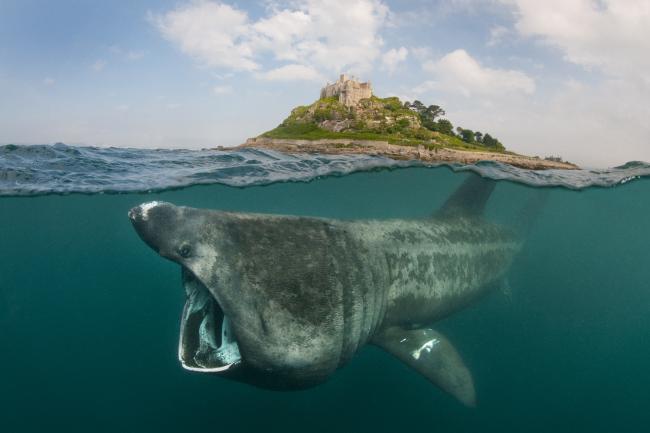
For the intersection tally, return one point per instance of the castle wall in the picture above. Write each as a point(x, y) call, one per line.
point(349, 91)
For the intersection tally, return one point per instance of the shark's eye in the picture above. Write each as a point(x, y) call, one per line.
point(185, 251)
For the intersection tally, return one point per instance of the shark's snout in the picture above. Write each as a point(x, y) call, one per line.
point(135, 214)
point(148, 219)
point(141, 213)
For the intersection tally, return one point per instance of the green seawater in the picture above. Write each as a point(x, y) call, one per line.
point(89, 319)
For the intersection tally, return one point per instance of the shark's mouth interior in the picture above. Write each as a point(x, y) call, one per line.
point(206, 343)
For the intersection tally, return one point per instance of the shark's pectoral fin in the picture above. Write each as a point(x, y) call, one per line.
point(433, 356)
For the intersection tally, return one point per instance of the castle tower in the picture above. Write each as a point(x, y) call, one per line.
point(348, 90)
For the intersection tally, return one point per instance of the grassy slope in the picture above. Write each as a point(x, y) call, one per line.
point(301, 125)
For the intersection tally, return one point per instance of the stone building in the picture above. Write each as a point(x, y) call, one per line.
point(348, 89)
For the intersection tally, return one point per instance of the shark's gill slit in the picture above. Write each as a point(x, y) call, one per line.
point(207, 343)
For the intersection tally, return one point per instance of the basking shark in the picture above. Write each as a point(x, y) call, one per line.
point(282, 302)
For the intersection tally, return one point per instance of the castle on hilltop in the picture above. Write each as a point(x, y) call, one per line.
point(348, 89)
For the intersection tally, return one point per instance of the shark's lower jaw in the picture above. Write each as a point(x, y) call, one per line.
point(206, 342)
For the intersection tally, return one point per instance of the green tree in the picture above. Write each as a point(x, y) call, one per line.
point(428, 115)
point(489, 141)
point(432, 112)
point(445, 127)
point(467, 135)
point(416, 106)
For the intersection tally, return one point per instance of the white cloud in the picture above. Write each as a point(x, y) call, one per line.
point(391, 59)
point(281, 32)
point(292, 73)
point(344, 34)
point(497, 34)
point(604, 119)
point(458, 72)
point(328, 36)
point(422, 53)
point(98, 65)
point(215, 34)
point(221, 90)
point(612, 35)
point(49, 81)
point(425, 87)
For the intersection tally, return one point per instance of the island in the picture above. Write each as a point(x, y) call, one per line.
point(349, 119)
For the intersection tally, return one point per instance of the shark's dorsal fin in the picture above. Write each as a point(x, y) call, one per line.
point(433, 356)
point(469, 199)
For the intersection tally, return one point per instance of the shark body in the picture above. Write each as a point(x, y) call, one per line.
point(283, 301)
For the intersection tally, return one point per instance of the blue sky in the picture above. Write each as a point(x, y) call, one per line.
point(569, 78)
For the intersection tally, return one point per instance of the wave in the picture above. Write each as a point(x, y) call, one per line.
point(29, 170)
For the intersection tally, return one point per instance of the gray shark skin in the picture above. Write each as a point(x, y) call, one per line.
point(282, 301)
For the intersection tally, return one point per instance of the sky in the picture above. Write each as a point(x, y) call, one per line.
point(567, 78)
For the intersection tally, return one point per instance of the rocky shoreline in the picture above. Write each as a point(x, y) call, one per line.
point(395, 151)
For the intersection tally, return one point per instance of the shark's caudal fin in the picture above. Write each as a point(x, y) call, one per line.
point(469, 199)
point(433, 356)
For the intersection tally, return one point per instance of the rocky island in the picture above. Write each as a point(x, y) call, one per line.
point(349, 119)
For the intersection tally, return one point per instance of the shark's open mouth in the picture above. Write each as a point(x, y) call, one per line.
point(206, 342)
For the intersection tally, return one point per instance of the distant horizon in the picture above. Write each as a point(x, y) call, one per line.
point(562, 78)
